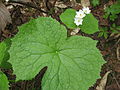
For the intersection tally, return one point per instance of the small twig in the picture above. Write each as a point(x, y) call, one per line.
point(54, 3)
point(29, 5)
point(118, 53)
point(116, 81)
point(117, 43)
point(46, 4)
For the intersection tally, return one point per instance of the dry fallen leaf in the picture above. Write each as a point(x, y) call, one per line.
point(21, 0)
point(4, 16)
point(85, 3)
point(73, 3)
point(75, 31)
point(102, 84)
point(60, 5)
point(25, 0)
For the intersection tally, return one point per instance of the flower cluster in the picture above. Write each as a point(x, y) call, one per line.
point(80, 15)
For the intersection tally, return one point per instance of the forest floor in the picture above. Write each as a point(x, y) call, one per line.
point(109, 48)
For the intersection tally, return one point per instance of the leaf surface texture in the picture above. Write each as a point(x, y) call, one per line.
point(3, 82)
point(73, 62)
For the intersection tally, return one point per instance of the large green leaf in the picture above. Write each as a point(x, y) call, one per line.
point(89, 26)
point(3, 82)
point(73, 62)
point(2, 51)
point(4, 55)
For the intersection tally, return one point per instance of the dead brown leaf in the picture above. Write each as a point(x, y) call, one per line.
point(60, 5)
point(22, 0)
point(85, 3)
point(73, 3)
point(103, 81)
point(4, 16)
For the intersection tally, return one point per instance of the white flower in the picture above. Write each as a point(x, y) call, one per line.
point(80, 14)
point(86, 10)
point(6, 0)
point(78, 21)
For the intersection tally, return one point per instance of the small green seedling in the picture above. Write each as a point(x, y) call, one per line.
point(103, 32)
point(112, 11)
